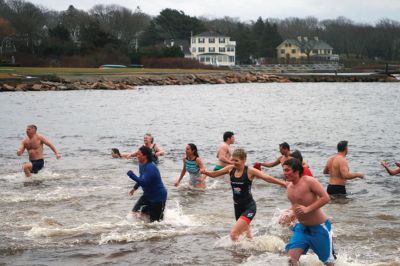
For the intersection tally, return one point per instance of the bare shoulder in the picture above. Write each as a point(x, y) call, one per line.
point(309, 179)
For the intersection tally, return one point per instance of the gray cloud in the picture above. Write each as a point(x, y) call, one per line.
point(368, 11)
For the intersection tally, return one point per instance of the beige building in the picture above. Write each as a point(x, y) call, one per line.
point(303, 48)
point(212, 48)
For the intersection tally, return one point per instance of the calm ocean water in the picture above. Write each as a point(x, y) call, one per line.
point(78, 212)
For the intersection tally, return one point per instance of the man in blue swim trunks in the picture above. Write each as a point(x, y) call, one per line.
point(313, 229)
point(33, 143)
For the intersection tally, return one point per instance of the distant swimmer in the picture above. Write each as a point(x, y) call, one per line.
point(152, 202)
point(390, 171)
point(116, 154)
point(192, 164)
point(306, 169)
point(284, 149)
point(33, 143)
point(156, 150)
point(313, 229)
point(224, 151)
point(338, 170)
point(241, 178)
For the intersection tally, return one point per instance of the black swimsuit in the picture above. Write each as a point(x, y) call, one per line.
point(244, 204)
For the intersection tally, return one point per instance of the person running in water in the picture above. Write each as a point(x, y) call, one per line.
point(33, 143)
point(224, 151)
point(313, 229)
point(192, 164)
point(338, 169)
point(390, 171)
point(284, 149)
point(152, 202)
point(241, 178)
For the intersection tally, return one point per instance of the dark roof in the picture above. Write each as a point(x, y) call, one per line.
point(210, 34)
point(184, 44)
point(318, 44)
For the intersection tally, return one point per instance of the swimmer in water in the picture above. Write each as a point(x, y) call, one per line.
point(394, 171)
point(284, 149)
point(241, 178)
point(192, 164)
point(313, 229)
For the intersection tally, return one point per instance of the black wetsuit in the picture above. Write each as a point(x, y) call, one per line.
point(244, 204)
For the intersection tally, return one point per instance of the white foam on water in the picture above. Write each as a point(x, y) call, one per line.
point(51, 227)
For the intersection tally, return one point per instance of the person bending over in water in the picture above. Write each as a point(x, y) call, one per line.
point(192, 164)
point(338, 169)
point(284, 149)
point(152, 202)
point(390, 171)
point(33, 143)
point(241, 177)
point(116, 154)
point(313, 229)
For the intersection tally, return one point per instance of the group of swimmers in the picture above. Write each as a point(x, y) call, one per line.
point(306, 194)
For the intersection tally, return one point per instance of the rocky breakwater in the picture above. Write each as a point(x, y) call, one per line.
point(132, 81)
point(129, 82)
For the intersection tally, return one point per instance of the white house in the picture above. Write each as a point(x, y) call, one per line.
point(212, 48)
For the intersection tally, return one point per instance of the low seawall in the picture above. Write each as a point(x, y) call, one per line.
point(129, 82)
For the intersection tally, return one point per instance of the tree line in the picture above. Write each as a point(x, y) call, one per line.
point(116, 34)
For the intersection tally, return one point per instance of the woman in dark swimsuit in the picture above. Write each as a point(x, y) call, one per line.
point(241, 177)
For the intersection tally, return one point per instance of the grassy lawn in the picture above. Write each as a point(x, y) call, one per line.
point(38, 71)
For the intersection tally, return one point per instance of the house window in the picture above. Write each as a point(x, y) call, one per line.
point(207, 59)
point(222, 49)
point(230, 49)
point(315, 51)
point(193, 40)
point(221, 40)
point(201, 49)
point(293, 51)
point(201, 40)
point(211, 49)
point(211, 40)
point(231, 59)
point(194, 49)
point(202, 59)
point(282, 51)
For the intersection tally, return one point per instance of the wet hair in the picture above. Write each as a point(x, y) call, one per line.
point(227, 135)
point(284, 145)
point(33, 127)
point(295, 164)
point(342, 145)
point(193, 147)
point(297, 154)
point(147, 152)
point(240, 153)
point(116, 151)
point(151, 137)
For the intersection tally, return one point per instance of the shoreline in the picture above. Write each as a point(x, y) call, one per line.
point(124, 81)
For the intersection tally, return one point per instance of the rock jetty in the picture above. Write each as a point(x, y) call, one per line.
point(130, 82)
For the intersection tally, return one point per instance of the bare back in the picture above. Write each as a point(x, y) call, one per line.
point(223, 154)
point(335, 173)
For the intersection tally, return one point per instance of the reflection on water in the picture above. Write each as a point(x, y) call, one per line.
point(75, 210)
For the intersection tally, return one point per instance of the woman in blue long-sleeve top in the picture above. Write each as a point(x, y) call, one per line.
point(152, 202)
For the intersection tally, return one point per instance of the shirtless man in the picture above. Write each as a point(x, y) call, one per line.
point(284, 149)
point(224, 151)
point(338, 169)
point(34, 144)
point(391, 171)
point(313, 229)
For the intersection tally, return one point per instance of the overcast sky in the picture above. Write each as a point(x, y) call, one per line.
point(368, 11)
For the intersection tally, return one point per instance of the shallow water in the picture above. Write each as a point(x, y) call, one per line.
point(76, 212)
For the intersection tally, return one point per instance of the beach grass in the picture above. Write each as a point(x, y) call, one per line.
point(39, 71)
